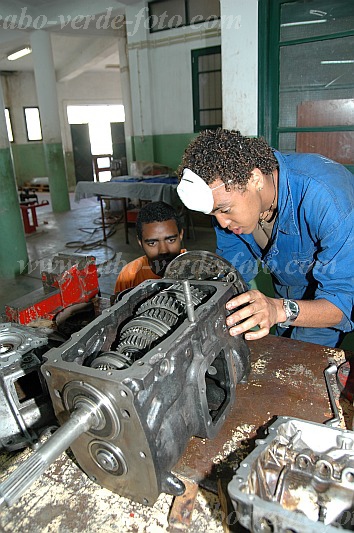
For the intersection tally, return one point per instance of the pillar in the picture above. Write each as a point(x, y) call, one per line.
point(140, 82)
point(239, 45)
point(126, 93)
point(46, 86)
point(13, 250)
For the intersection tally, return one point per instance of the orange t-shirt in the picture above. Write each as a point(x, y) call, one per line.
point(135, 273)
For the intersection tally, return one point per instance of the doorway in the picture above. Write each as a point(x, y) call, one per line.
point(95, 130)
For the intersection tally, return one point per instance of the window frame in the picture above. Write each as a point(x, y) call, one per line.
point(26, 125)
point(10, 123)
point(188, 21)
point(269, 46)
point(195, 54)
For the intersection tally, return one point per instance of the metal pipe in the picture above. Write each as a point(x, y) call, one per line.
point(82, 419)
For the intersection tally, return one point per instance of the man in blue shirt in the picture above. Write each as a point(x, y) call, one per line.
point(293, 214)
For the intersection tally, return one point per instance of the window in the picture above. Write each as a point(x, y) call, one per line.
point(8, 125)
point(309, 100)
point(167, 14)
point(207, 94)
point(33, 124)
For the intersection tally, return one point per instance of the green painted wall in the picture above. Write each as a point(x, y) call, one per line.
point(70, 170)
point(169, 149)
point(29, 161)
point(144, 148)
point(13, 251)
point(164, 149)
point(56, 173)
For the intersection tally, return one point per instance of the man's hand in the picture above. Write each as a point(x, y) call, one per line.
point(253, 309)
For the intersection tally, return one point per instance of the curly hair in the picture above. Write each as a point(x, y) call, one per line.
point(156, 212)
point(227, 155)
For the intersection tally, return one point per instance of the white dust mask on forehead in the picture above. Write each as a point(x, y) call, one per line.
point(195, 193)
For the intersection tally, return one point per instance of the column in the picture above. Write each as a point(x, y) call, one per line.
point(48, 106)
point(140, 83)
point(239, 45)
point(126, 93)
point(13, 250)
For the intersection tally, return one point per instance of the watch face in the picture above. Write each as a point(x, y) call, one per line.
point(293, 309)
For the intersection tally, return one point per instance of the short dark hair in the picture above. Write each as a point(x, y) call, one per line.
point(156, 212)
point(227, 155)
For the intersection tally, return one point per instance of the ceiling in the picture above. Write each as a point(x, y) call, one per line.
point(83, 33)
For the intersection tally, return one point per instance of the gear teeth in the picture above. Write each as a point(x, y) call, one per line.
point(153, 320)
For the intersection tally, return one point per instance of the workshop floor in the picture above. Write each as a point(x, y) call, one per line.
point(79, 231)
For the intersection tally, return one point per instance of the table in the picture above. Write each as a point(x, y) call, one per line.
point(165, 192)
point(113, 190)
point(286, 379)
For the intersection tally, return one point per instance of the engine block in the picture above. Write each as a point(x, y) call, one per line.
point(155, 369)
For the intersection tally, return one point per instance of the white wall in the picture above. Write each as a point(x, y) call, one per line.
point(88, 88)
point(239, 43)
point(161, 72)
point(19, 92)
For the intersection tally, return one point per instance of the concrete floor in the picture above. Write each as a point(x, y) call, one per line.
point(77, 231)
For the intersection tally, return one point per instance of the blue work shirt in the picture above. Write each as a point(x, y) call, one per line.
point(311, 251)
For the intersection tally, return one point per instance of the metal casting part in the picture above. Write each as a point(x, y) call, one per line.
point(299, 479)
point(157, 368)
point(25, 407)
point(202, 265)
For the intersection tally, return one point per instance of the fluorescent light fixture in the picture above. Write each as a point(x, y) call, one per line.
point(303, 23)
point(338, 62)
point(19, 53)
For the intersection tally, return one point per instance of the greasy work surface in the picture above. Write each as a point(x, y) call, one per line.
point(286, 379)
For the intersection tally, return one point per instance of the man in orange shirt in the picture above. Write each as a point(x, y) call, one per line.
point(159, 233)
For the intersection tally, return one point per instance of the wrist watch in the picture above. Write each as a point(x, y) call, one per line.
point(292, 311)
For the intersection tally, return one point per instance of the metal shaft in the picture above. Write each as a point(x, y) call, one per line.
point(189, 301)
point(29, 471)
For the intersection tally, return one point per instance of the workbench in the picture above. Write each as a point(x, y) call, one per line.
point(286, 379)
point(124, 190)
point(142, 190)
